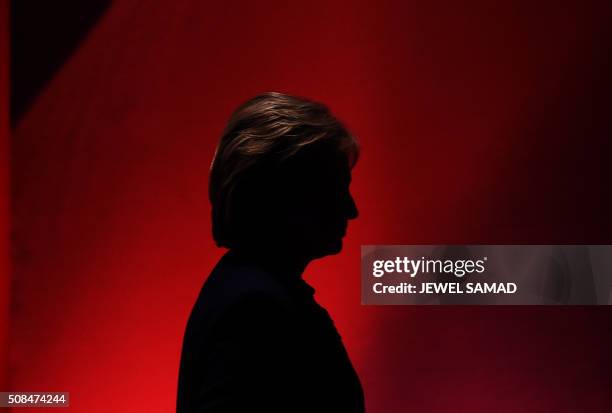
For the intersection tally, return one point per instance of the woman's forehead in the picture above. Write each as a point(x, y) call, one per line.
point(332, 166)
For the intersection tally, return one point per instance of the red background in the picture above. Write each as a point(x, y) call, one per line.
point(4, 195)
point(480, 122)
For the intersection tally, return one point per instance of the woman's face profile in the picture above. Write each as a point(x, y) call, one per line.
point(315, 204)
point(280, 176)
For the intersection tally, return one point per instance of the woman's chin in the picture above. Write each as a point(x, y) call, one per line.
point(329, 248)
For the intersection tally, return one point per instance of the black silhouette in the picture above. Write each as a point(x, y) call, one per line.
point(256, 340)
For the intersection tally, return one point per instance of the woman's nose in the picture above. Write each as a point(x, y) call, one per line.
point(352, 211)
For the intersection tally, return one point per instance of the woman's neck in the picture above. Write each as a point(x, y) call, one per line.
point(282, 263)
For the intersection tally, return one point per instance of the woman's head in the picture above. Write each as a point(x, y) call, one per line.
point(280, 177)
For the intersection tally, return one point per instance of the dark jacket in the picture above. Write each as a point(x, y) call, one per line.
point(258, 342)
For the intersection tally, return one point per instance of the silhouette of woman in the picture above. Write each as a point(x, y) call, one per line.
point(256, 340)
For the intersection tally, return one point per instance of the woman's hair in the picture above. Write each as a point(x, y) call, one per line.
point(262, 136)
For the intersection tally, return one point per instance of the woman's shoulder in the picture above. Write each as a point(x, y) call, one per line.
point(233, 279)
point(234, 284)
